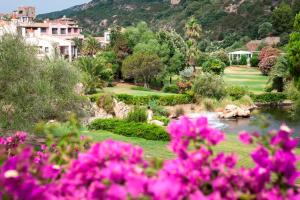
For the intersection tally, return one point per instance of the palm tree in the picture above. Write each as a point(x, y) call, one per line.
point(78, 43)
point(90, 46)
point(193, 30)
point(192, 55)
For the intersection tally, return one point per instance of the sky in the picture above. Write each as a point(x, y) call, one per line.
point(42, 6)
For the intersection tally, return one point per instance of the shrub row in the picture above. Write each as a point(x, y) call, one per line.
point(131, 129)
point(269, 97)
point(168, 100)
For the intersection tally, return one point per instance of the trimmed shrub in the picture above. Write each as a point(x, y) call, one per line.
point(138, 114)
point(168, 100)
point(209, 85)
point(269, 97)
point(236, 92)
point(131, 129)
point(171, 89)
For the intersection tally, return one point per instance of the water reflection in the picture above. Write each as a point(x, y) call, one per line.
point(261, 120)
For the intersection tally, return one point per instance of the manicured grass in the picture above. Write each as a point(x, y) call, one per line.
point(159, 148)
point(127, 89)
point(151, 148)
point(246, 76)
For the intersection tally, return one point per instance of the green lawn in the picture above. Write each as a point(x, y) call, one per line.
point(159, 148)
point(246, 76)
point(126, 89)
point(151, 148)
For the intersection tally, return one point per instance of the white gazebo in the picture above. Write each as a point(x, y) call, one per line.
point(236, 55)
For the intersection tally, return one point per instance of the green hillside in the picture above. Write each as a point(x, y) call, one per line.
point(219, 18)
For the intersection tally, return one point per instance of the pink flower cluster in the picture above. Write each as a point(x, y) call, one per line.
point(12, 142)
point(116, 170)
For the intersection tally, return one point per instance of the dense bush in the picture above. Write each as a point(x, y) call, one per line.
point(222, 56)
point(157, 109)
point(254, 61)
point(167, 100)
point(279, 75)
point(243, 60)
point(117, 170)
point(208, 85)
point(131, 129)
point(171, 89)
point(31, 89)
point(138, 114)
point(267, 52)
point(236, 92)
point(106, 101)
point(269, 97)
point(214, 65)
point(142, 66)
point(265, 65)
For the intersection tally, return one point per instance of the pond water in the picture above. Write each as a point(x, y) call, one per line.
point(261, 120)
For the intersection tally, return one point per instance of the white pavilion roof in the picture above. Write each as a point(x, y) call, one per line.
point(240, 52)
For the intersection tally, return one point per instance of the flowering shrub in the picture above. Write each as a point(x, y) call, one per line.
point(116, 170)
point(267, 52)
point(266, 64)
point(11, 143)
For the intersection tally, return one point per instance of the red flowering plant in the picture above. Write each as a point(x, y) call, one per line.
point(266, 64)
point(116, 170)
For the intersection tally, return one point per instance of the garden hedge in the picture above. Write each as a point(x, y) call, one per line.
point(269, 97)
point(131, 129)
point(167, 100)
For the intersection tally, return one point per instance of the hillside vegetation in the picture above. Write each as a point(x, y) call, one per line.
point(218, 17)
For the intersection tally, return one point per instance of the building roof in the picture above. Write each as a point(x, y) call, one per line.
point(34, 25)
point(241, 52)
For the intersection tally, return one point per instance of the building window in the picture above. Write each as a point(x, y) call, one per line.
point(54, 31)
point(69, 30)
point(63, 31)
point(43, 30)
point(75, 30)
point(46, 49)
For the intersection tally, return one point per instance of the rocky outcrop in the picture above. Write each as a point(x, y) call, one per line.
point(233, 111)
point(121, 110)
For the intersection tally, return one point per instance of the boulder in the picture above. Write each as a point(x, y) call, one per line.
point(121, 110)
point(233, 111)
point(157, 122)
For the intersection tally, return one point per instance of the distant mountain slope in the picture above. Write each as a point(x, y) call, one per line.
point(218, 17)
